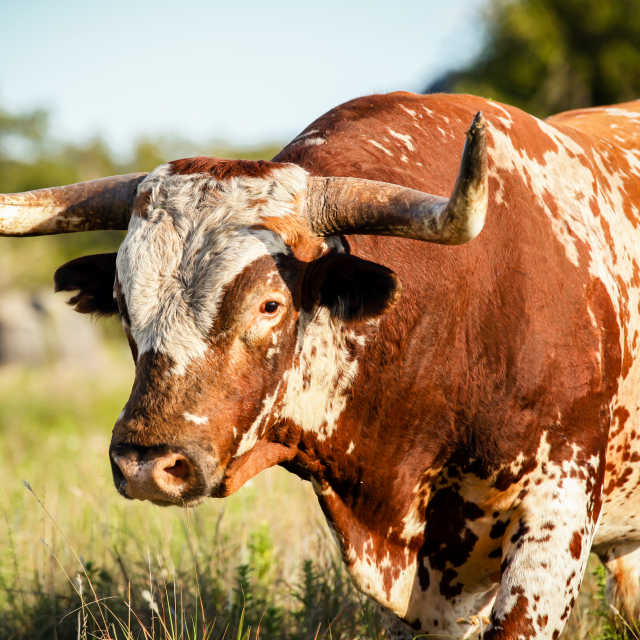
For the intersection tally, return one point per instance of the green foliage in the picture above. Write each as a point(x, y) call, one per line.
point(611, 628)
point(169, 608)
point(613, 623)
point(546, 56)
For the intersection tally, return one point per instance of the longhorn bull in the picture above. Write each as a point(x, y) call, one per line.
point(470, 433)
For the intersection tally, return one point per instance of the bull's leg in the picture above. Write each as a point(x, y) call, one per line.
point(544, 555)
point(622, 563)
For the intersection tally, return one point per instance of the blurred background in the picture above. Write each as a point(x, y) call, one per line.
point(101, 88)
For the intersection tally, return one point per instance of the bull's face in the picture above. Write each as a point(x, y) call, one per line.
point(243, 327)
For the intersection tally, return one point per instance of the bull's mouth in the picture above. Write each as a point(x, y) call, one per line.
point(187, 476)
point(162, 476)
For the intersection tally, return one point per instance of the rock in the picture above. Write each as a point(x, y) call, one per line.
point(41, 328)
point(21, 336)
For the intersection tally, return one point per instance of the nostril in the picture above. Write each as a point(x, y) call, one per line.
point(178, 469)
point(174, 472)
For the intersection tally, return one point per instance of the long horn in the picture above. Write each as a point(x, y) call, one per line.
point(352, 205)
point(87, 206)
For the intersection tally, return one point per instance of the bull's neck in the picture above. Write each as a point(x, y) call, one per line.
point(382, 435)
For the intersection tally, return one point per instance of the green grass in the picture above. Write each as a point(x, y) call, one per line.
point(78, 561)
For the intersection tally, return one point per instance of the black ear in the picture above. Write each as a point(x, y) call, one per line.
point(93, 277)
point(353, 289)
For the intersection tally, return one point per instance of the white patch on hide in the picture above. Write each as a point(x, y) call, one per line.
point(195, 419)
point(304, 135)
point(379, 146)
point(251, 437)
point(368, 573)
point(407, 139)
point(317, 385)
point(411, 112)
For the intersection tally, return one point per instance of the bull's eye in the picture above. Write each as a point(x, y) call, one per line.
point(270, 307)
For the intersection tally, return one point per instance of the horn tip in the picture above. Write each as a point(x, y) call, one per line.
point(478, 125)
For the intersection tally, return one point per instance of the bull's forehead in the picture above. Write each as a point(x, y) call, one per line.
point(190, 235)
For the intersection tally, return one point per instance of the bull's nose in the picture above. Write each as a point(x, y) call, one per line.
point(162, 477)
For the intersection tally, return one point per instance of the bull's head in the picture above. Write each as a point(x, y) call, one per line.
point(244, 314)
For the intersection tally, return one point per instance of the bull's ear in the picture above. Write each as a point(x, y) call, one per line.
point(93, 277)
point(353, 289)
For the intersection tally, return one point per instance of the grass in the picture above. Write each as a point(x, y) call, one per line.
point(77, 561)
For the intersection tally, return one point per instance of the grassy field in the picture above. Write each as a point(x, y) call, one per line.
point(260, 560)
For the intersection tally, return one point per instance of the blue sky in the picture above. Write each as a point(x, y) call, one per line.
point(244, 72)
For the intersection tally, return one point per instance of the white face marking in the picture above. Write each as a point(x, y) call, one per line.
point(272, 352)
point(351, 448)
point(315, 142)
point(174, 266)
point(195, 419)
point(379, 146)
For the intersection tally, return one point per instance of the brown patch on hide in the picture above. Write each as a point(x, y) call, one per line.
point(518, 623)
point(141, 203)
point(223, 169)
point(575, 546)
